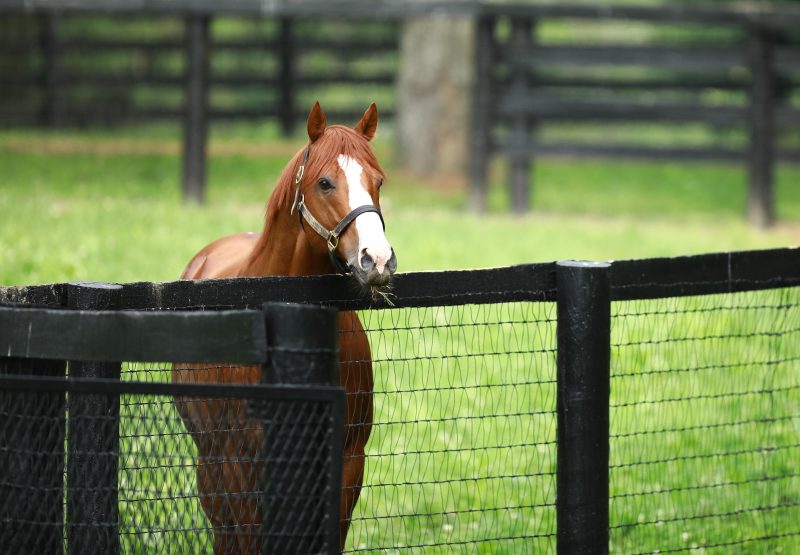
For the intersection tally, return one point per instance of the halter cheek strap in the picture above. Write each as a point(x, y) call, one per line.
point(331, 236)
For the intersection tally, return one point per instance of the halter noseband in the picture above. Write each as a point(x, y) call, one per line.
point(331, 236)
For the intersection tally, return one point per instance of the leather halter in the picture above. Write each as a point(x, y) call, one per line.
point(331, 236)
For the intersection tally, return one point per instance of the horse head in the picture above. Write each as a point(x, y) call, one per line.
point(337, 194)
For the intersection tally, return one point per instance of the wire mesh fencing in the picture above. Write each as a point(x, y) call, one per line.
point(119, 469)
point(476, 414)
point(705, 423)
point(461, 454)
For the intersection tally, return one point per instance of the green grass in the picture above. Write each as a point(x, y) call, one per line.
point(446, 406)
point(118, 217)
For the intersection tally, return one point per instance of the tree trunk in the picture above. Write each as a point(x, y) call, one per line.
point(433, 94)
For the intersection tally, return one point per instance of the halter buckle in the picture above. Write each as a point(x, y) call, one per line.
point(333, 241)
point(299, 175)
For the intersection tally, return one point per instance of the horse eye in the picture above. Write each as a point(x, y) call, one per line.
point(325, 184)
point(380, 183)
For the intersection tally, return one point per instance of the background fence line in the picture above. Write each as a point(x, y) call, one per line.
point(734, 88)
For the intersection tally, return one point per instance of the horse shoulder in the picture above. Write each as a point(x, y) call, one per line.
point(224, 257)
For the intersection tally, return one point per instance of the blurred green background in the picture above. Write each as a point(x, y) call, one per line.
point(105, 206)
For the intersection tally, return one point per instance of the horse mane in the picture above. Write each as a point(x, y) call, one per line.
point(336, 140)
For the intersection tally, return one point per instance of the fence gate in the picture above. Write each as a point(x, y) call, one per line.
point(106, 461)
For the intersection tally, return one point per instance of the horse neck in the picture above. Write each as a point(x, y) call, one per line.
point(284, 250)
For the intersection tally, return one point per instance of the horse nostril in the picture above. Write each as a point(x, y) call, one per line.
point(367, 263)
point(391, 265)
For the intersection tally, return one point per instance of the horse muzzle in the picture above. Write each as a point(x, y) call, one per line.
point(372, 274)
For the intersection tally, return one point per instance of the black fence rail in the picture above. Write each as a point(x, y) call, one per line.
point(503, 398)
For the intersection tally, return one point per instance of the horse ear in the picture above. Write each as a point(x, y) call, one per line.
point(317, 121)
point(368, 123)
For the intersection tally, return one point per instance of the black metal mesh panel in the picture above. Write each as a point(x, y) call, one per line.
point(160, 508)
point(32, 470)
point(705, 423)
point(461, 454)
point(267, 486)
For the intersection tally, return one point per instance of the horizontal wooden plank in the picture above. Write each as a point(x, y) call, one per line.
point(378, 78)
point(529, 282)
point(348, 115)
point(787, 117)
point(515, 105)
point(630, 279)
point(676, 82)
point(342, 9)
point(92, 46)
point(351, 45)
point(289, 393)
point(113, 81)
point(771, 15)
point(52, 294)
point(99, 45)
point(261, 43)
point(225, 336)
point(789, 155)
point(705, 274)
point(780, 16)
point(605, 150)
point(121, 81)
point(636, 152)
point(787, 59)
point(690, 57)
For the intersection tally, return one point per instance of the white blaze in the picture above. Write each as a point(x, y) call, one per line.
point(368, 225)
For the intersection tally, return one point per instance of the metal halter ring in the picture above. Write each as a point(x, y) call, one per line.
point(333, 241)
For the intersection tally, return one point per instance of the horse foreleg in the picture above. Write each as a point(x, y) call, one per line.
point(211, 490)
point(352, 478)
point(242, 503)
point(241, 471)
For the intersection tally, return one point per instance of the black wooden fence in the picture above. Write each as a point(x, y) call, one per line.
point(62, 69)
point(658, 398)
point(728, 93)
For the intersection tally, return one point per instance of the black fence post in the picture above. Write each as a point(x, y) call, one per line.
point(195, 125)
point(519, 164)
point(31, 462)
point(287, 76)
point(51, 67)
point(761, 162)
point(481, 122)
point(301, 499)
point(584, 334)
point(93, 442)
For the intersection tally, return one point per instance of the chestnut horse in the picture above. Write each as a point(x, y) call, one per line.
point(333, 185)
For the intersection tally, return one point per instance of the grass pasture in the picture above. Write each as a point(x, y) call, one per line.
point(704, 390)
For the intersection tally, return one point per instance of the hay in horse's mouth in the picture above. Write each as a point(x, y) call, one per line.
point(376, 292)
point(382, 291)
